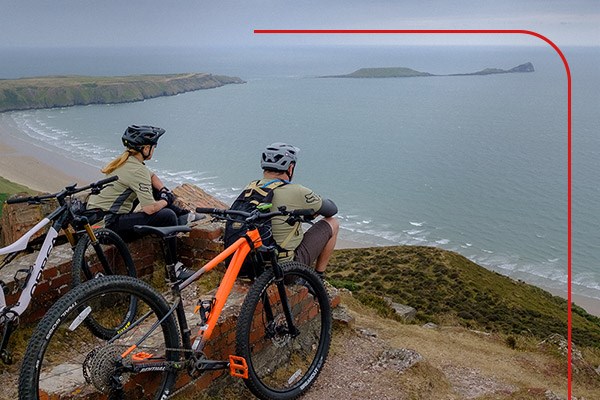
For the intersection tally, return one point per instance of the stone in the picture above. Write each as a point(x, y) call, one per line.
point(405, 312)
point(396, 359)
point(342, 317)
point(191, 196)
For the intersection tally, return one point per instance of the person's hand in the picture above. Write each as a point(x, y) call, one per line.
point(166, 195)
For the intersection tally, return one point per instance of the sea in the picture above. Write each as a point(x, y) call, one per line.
point(473, 164)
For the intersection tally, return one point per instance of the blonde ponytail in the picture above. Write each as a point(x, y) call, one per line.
point(117, 162)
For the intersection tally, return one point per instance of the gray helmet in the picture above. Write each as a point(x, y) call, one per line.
point(137, 136)
point(279, 156)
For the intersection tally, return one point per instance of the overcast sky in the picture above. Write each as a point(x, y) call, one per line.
point(231, 23)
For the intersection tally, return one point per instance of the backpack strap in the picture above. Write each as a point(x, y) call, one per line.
point(289, 236)
point(263, 190)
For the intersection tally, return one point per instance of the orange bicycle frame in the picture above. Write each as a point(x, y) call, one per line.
point(240, 250)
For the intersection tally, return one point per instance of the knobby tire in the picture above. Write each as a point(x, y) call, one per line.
point(64, 359)
point(280, 366)
point(87, 265)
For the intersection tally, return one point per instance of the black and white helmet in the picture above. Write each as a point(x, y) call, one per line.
point(137, 136)
point(278, 156)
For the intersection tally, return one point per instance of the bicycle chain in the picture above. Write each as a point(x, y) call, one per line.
point(193, 380)
point(96, 373)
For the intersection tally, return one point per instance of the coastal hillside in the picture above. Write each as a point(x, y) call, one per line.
point(476, 334)
point(65, 91)
point(8, 188)
point(403, 72)
point(443, 285)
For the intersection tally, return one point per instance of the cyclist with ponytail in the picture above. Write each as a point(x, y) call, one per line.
point(138, 185)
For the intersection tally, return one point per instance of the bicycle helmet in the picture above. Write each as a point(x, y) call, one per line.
point(137, 136)
point(278, 156)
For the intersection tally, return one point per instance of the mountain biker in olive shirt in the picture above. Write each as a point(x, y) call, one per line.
point(316, 244)
point(137, 184)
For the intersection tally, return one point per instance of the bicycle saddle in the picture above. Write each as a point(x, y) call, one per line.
point(162, 231)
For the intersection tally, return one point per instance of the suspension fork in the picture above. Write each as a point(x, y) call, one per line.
point(98, 248)
point(285, 304)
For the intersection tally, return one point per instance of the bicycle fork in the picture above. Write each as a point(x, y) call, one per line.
point(285, 304)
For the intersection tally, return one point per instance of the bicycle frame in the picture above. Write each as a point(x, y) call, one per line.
point(57, 217)
point(240, 250)
point(40, 262)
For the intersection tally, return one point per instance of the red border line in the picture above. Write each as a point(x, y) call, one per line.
point(569, 126)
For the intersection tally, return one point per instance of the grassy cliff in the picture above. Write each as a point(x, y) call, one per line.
point(8, 188)
point(441, 284)
point(64, 91)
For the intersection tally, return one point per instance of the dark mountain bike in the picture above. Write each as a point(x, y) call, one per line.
point(282, 337)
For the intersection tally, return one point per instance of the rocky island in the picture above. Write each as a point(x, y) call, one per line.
point(402, 72)
point(65, 91)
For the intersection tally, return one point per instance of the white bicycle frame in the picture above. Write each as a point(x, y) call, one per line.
point(36, 270)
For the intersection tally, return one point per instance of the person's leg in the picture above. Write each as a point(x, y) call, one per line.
point(318, 244)
point(323, 258)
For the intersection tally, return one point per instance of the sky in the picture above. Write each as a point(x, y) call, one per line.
point(112, 23)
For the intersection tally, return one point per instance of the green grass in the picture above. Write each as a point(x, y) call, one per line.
point(8, 188)
point(441, 284)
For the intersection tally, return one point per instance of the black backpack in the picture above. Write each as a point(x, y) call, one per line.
point(248, 201)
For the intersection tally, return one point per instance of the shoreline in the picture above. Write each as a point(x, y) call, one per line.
point(38, 168)
point(41, 169)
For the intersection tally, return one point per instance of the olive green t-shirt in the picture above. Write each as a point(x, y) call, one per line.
point(294, 197)
point(135, 182)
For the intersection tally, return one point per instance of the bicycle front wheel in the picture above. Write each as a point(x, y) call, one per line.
point(64, 360)
point(284, 360)
point(108, 256)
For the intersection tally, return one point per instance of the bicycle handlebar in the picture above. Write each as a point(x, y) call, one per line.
point(256, 215)
point(69, 190)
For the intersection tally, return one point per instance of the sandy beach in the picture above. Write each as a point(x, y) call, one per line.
point(38, 168)
point(47, 171)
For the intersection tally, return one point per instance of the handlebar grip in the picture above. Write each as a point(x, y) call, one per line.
point(205, 210)
point(20, 200)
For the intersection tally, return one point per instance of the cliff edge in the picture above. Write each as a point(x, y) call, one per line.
point(65, 91)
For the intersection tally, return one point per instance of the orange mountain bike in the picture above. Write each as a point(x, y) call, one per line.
point(282, 338)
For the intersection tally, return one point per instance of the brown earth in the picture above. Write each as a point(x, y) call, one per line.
point(383, 359)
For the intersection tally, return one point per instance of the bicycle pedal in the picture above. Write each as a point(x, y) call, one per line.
point(141, 356)
point(238, 367)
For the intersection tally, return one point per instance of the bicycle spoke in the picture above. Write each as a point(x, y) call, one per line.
point(284, 359)
point(65, 359)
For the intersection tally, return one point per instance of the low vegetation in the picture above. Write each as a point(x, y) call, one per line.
point(8, 188)
point(441, 284)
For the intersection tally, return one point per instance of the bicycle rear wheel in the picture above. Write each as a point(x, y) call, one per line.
point(64, 360)
point(110, 256)
point(282, 364)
